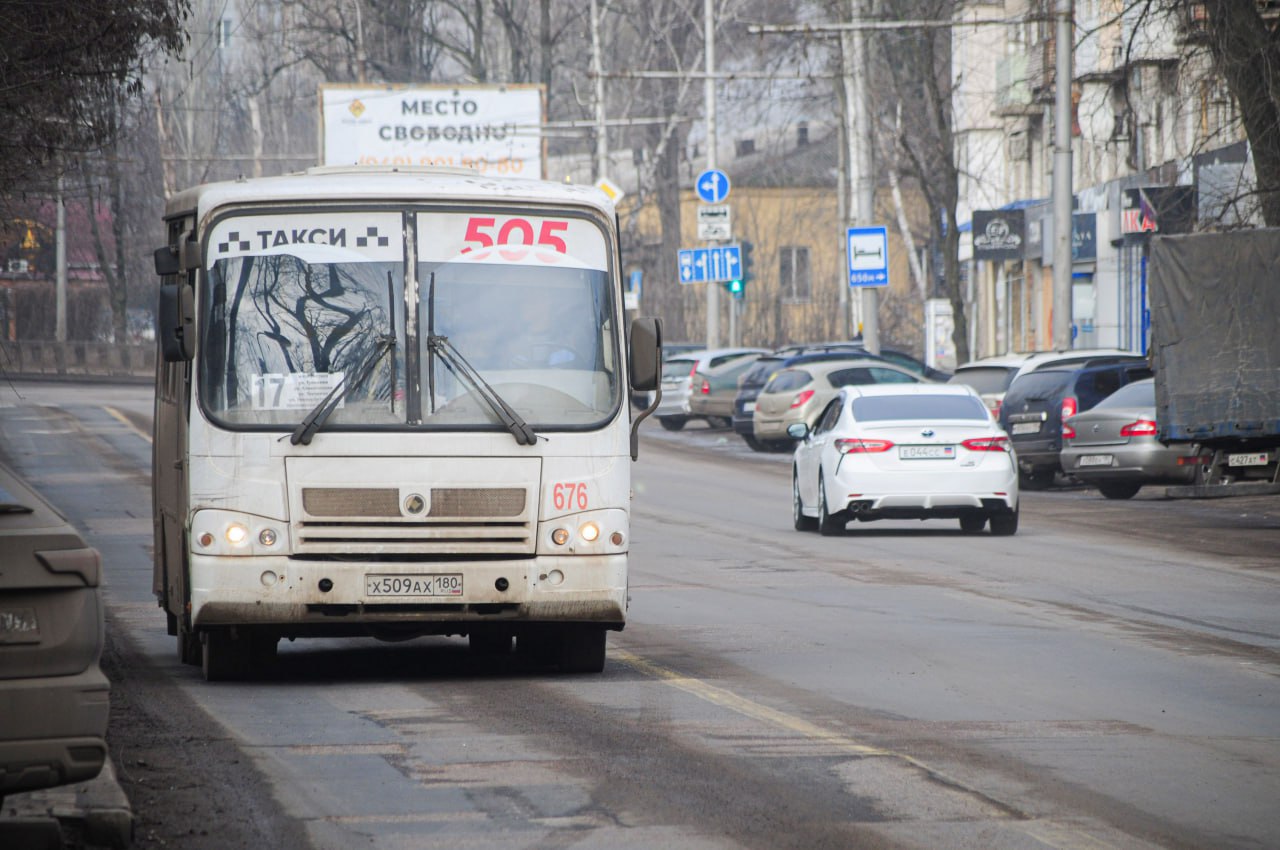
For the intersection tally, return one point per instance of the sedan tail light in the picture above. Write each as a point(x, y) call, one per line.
point(706, 387)
point(860, 447)
point(801, 398)
point(1141, 428)
point(986, 444)
point(1070, 407)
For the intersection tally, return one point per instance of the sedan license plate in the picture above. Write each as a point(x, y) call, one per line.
point(1095, 460)
point(434, 584)
point(1249, 459)
point(926, 452)
point(1025, 428)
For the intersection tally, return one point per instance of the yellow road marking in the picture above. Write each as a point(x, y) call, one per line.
point(124, 419)
point(1052, 834)
point(743, 706)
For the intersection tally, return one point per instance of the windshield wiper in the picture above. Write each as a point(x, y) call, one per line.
point(458, 365)
point(315, 420)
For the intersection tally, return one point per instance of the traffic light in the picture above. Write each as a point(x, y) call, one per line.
point(737, 287)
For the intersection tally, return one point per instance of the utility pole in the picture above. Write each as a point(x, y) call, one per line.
point(853, 50)
point(709, 40)
point(602, 135)
point(1062, 177)
point(60, 260)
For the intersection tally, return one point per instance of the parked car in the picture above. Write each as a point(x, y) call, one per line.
point(992, 376)
point(669, 349)
point(754, 379)
point(1038, 402)
point(904, 451)
point(912, 364)
point(1113, 446)
point(800, 393)
point(677, 381)
point(53, 695)
point(715, 388)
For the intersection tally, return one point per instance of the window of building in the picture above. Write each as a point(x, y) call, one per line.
point(793, 273)
point(224, 33)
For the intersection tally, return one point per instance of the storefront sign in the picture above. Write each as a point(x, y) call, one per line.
point(1157, 209)
point(998, 234)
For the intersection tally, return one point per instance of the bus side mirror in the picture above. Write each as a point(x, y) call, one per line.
point(646, 354)
point(176, 322)
point(167, 263)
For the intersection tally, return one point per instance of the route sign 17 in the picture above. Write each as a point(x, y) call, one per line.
point(867, 249)
point(703, 265)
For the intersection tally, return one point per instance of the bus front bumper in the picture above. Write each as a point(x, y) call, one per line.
point(317, 597)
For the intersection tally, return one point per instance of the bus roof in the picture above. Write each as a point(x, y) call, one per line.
point(374, 182)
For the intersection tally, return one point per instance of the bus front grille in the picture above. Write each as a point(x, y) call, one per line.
point(416, 510)
point(389, 538)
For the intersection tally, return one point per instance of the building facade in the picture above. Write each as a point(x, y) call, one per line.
point(1157, 147)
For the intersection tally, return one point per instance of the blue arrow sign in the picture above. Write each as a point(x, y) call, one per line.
point(700, 265)
point(712, 185)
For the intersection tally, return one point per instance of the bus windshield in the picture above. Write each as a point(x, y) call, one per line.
point(285, 324)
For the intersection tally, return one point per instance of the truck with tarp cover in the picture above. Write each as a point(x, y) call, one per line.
point(1215, 318)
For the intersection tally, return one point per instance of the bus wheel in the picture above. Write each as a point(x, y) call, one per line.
point(224, 657)
point(189, 650)
point(237, 653)
point(582, 649)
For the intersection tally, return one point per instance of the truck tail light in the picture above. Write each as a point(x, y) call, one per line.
point(1070, 407)
point(1068, 433)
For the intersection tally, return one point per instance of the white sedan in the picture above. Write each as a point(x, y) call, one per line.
point(904, 451)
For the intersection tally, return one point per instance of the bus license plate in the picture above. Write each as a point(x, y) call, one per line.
point(1095, 460)
point(926, 452)
point(434, 584)
point(1250, 459)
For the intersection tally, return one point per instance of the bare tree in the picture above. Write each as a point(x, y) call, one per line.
point(1246, 50)
point(918, 63)
point(60, 56)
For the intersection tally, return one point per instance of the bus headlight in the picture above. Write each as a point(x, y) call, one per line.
point(217, 532)
point(237, 534)
point(602, 532)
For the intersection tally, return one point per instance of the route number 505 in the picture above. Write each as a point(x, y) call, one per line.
point(514, 232)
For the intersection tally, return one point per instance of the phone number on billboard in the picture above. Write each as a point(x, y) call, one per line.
point(481, 164)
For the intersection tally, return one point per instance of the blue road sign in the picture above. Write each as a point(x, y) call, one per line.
point(712, 185)
point(703, 265)
point(867, 250)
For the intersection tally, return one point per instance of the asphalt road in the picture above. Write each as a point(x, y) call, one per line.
point(1105, 678)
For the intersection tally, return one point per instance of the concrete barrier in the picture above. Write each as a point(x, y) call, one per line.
point(71, 360)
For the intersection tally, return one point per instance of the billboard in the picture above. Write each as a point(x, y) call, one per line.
point(494, 129)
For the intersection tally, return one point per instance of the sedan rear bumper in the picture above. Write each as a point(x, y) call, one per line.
point(895, 496)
